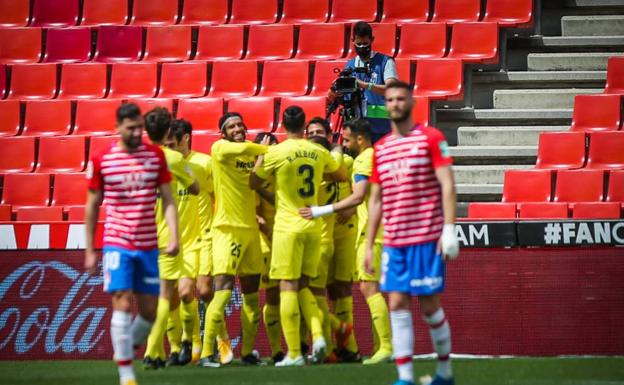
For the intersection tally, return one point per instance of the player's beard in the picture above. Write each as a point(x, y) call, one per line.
point(132, 142)
point(402, 117)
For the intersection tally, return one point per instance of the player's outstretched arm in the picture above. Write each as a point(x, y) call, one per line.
point(374, 221)
point(353, 200)
point(448, 245)
point(92, 210)
point(171, 217)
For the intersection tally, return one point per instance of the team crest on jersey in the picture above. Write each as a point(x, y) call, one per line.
point(133, 183)
point(444, 149)
point(89, 170)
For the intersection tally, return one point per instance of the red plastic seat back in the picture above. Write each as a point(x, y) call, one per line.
point(606, 150)
point(475, 42)
point(17, 195)
point(285, 78)
point(14, 13)
point(220, 42)
point(385, 39)
point(47, 118)
point(549, 210)
point(324, 75)
point(405, 12)
point(203, 113)
point(421, 111)
point(96, 117)
point(321, 41)
point(183, 80)
point(203, 142)
point(133, 80)
point(204, 12)
point(70, 189)
point(235, 78)
point(561, 150)
point(5, 213)
point(270, 42)
point(313, 106)
point(352, 11)
point(154, 12)
point(596, 210)
point(439, 79)
point(20, 45)
point(9, 117)
point(119, 44)
point(18, 154)
point(98, 144)
point(253, 12)
point(509, 13)
point(615, 75)
point(492, 211)
point(39, 214)
point(61, 154)
point(454, 11)
point(615, 192)
point(527, 186)
point(109, 12)
point(68, 45)
point(596, 113)
point(83, 81)
point(258, 112)
point(33, 81)
point(168, 43)
point(569, 182)
point(58, 13)
point(422, 41)
point(304, 11)
point(148, 104)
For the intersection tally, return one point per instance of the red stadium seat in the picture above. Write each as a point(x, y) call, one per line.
point(58, 13)
point(321, 41)
point(3, 80)
point(561, 150)
point(70, 189)
point(96, 117)
point(39, 214)
point(5, 213)
point(568, 182)
point(17, 195)
point(169, 43)
point(20, 45)
point(83, 81)
point(109, 12)
point(14, 13)
point(527, 186)
point(285, 78)
point(61, 154)
point(596, 113)
point(615, 192)
point(270, 42)
point(615, 75)
point(422, 41)
point(385, 39)
point(546, 210)
point(253, 12)
point(18, 154)
point(119, 44)
point(47, 118)
point(133, 80)
point(304, 11)
point(33, 81)
point(204, 12)
point(606, 150)
point(404, 70)
point(324, 74)
point(203, 113)
point(234, 78)
point(455, 11)
point(351, 11)
point(492, 211)
point(313, 106)
point(421, 112)
point(77, 213)
point(98, 144)
point(509, 13)
point(596, 210)
point(148, 104)
point(183, 80)
point(475, 42)
point(67, 45)
point(203, 141)
point(439, 79)
point(220, 42)
point(405, 12)
point(258, 112)
point(154, 12)
point(9, 117)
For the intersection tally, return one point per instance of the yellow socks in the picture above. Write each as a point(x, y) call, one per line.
point(174, 330)
point(271, 315)
point(327, 330)
point(188, 312)
point(155, 343)
point(344, 312)
point(290, 317)
point(250, 316)
point(214, 320)
point(196, 338)
point(311, 313)
point(381, 320)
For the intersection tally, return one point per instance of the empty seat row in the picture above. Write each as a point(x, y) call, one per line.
point(470, 41)
point(34, 190)
point(65, 13)
point(551, 210)
point(46, 214)
point(569, 150)
point(437, 78)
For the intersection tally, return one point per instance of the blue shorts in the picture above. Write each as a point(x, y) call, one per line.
point(135, 270)
point(414, 270)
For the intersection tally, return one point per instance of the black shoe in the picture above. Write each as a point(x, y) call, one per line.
point(151, 364)
point(347, 356)
point(252, 360)
point(173, 360)
point(304, 348)
point(186, 354)
point(209, 362)
point(278, 357)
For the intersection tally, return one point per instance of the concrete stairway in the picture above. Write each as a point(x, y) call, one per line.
point(536, 94)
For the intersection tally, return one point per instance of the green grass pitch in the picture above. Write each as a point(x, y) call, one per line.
point(514, 371)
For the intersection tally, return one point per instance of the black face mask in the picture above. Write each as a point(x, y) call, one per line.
point(363, 51)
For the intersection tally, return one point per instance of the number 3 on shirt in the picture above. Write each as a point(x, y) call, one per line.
point(307, 172)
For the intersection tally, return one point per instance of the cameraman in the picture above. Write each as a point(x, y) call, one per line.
point(382, 71)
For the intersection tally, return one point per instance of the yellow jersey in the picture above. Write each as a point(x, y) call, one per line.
point(188, 207)
point(363, 168)
point(344, 190)
point(298, 166)
point(328, 194)
point(182, 178)
point(232, 163)
point(265, 209)
point(203, 172)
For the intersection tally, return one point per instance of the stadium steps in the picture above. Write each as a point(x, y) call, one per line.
point(573, 61)
point(502, 135)
point(540, 98)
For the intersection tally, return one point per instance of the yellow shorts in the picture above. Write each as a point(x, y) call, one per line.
point(236, 251)
point(265, 247)
point(298, 254)
point(169, 267)
point(342, 267)
point(190, 264)
point(362, 275)
point(325, 260)
point(205, 257)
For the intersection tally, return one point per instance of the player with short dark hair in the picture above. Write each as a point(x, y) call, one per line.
point(128, 175)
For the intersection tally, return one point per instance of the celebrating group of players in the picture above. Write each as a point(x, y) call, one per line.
point(290, 218)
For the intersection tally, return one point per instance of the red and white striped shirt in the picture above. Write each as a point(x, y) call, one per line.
point(404, 168)
point(129, 181)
